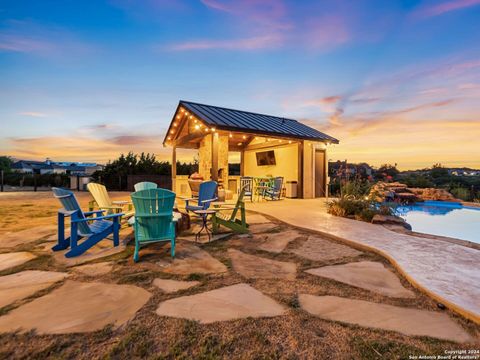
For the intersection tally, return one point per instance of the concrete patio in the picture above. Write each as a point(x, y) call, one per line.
point(448, 272)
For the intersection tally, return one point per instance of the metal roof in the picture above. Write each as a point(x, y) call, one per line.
point(249, 122)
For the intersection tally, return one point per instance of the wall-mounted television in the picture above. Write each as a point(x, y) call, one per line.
point(265, 158)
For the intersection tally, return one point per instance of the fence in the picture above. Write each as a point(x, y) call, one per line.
point(31, 182)
point(163, 181)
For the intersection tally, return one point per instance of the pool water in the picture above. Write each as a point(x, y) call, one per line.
point(444, 219)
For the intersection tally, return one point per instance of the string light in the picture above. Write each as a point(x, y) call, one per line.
point(213, 129)
point(182, 110)
point(191, 116)
point(197, 127)
point(178, 116)
point(239, 144)
point(230, 135)
point(186, 113)
point(289, 141)
point(206, 129)
point(169, 138)
point(244, 137)
point(171, 131)
point(195, 121)
point(175, 124)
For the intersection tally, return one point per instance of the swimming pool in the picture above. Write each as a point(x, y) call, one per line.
point(444, 219)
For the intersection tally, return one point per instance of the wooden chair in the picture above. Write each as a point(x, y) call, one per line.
point(145, 185)
point(246, 184)
point(206, 195)
point(103, 202)
point(154, 221)
point(275, 191)
point(239, 226)
point(93, 229)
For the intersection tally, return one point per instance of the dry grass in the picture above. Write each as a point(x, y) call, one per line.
point(296, 335)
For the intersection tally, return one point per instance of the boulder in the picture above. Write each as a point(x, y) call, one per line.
point(390, 220)
point(433, 194)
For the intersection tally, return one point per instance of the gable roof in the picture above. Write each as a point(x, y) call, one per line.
point(249, 122)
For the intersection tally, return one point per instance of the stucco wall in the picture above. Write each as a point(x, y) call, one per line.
point(286, 158)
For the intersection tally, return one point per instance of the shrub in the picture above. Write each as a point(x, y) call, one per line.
point(461, 193)
point(360, 209)
point(355, 188)
point(366, 214)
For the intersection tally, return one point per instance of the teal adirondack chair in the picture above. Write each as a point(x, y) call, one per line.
point(153, 218)
point(93, 229)
point(145, 185)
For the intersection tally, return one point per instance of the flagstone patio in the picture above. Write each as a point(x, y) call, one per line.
point(227, 303)
point(381, 316)
point(10, 260)
point(296, 279)
point(77, 307)
point(26, 283)
point(368, 275)
point(251, 266)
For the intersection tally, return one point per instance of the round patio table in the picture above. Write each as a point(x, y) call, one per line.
point(204, 215)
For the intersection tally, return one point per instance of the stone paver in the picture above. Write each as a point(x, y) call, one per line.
point(227, 303)
point(96, 269)
point(12, 239)
point(251, 266)
point(190, 259)
point(262, 228)
point(103, 249)
point(277, 242)
point(23, 284)
point(368, 275)
point(171, 286)
point(9, 260)
point(318, 249)
point(77, 307)
point(387, 317)
point(449, 271)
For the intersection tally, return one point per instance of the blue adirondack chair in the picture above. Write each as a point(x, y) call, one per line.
point(275, 191)
point(93, 229)
point(145, 185)
point(206, 194)
point(154, 220)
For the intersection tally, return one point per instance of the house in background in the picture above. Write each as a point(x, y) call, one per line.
point(267, 146)
point(54, 167)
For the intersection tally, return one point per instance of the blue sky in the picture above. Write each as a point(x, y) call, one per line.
point(395, 81)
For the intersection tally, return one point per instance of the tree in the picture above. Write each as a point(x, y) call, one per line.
point(387, 172)
point(6, 164)
point(438, 171)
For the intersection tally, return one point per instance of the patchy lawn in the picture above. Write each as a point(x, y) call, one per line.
point(297, 334)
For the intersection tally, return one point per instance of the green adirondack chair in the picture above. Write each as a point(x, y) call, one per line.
point(102, 200)
point(145, 185)
point(230, 221)
point(154, 220)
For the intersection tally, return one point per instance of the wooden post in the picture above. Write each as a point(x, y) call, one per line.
point(242, 163)
point(215, 156)
point(300, 169)
point(1, 183)
point(174, 168)
point(34, 182)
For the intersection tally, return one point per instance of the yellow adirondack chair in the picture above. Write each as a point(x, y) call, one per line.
point(103, 201)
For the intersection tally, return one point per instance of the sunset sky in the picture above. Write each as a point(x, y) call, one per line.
point(395, 81)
